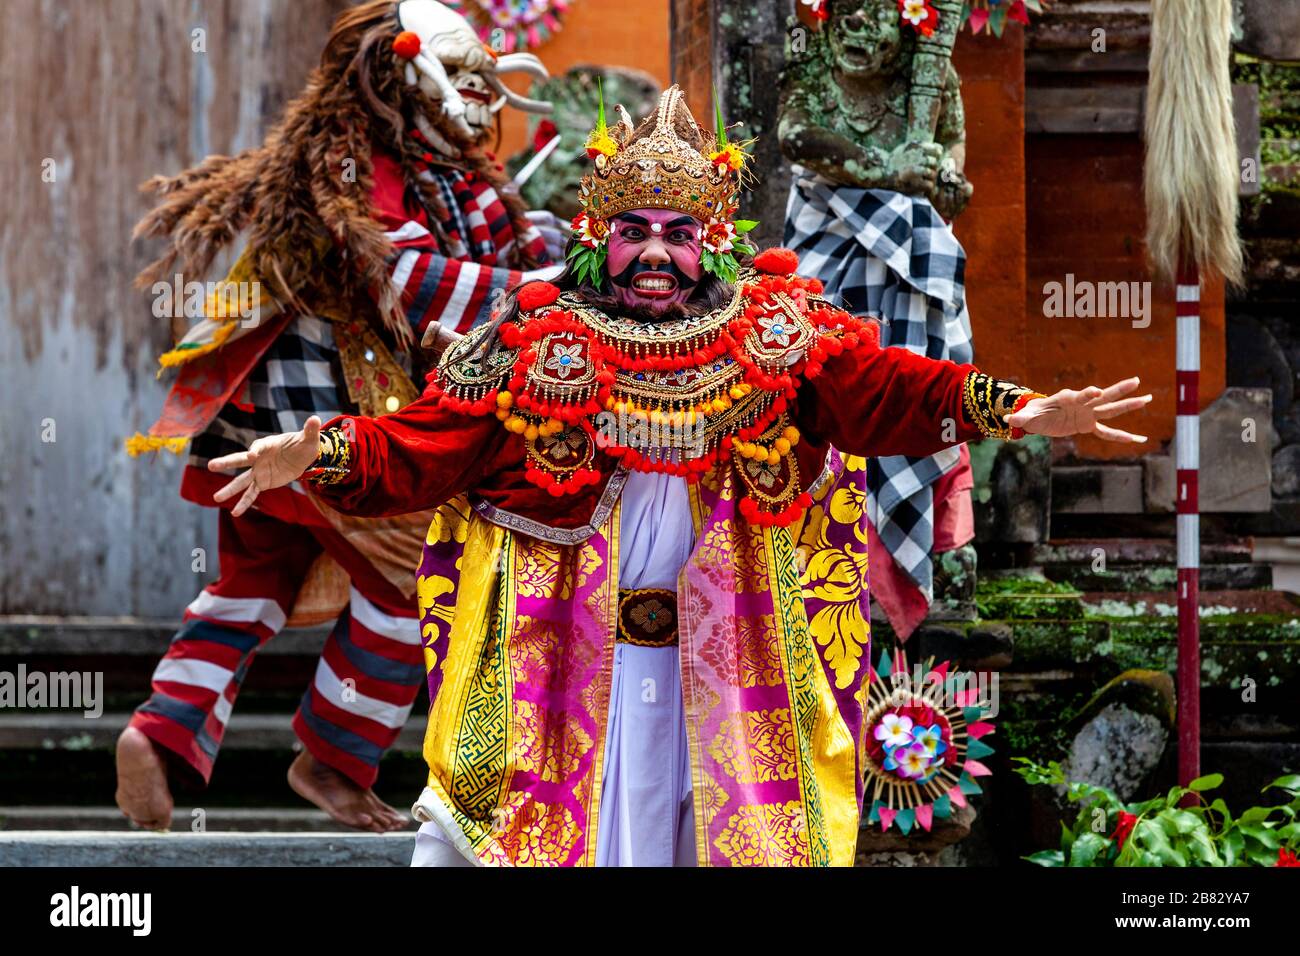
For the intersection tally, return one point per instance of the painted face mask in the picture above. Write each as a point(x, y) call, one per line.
point(666, 170)
point(654, 258)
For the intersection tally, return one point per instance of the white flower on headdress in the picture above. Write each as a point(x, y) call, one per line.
point(719, 236)
point(565, 359)
point(590, 231)
point(776, 329)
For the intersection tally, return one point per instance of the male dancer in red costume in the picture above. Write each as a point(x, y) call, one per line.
point(630, 654)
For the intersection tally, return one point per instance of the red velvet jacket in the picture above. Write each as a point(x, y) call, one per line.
point(867, 401)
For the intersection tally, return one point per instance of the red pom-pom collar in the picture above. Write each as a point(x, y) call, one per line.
point(776, 261)
point(534, 295)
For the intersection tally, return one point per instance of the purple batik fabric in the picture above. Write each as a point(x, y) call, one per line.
point(520, 680)
point(773, 656)
point(772, 691)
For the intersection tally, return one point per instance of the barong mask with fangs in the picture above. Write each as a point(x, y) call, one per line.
point(448, 62)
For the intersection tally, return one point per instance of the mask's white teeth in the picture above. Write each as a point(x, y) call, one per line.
point(652, 283)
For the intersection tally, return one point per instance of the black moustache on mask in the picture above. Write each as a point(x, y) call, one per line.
point(636, 267)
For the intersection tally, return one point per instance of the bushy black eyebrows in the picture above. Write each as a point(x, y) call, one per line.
point(636, 220)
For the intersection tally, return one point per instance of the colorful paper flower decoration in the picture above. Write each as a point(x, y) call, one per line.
point(730, 155)
point(591, 232)
point(588, 253)
point(923, 745)
point(513, 24)
point(991, 16)
point(719, 236)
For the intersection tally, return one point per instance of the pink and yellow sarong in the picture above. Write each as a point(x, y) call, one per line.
point(774, 645)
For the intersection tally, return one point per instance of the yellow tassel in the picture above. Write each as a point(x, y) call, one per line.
point(179, 356)
point(139, 444)
point(215, 308)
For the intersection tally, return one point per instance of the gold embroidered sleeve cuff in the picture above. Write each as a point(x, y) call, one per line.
point(334, 461)
point(989, 403)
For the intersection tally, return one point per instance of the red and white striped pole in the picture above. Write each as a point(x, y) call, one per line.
point(1188, 444)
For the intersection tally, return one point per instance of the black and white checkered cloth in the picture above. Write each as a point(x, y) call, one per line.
point(892, 257)
point(298, 376)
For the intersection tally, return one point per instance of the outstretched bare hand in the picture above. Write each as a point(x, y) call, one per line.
point(272, 462)
point(1081, 413)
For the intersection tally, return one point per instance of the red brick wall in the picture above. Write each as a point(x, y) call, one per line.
point(632, 33)
point(1045, 206)
point(1086, 217)
point(992, 229)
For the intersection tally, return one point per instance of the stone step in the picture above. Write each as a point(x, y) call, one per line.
point(1136, 551)
point(1155, 577)
point(82, 848)
point(184, 819)
point(1234, 604)
point(64, 731)
point(1147, 564)
point(28, 635)
point(124, 651)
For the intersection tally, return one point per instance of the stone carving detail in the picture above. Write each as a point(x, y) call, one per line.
point(868, 102)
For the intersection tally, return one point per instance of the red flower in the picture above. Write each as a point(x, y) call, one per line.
point(544, 133)
point(1286, 858)
point(817, 8)
point(406, 45)
point(1124, 828)
point(534, 295)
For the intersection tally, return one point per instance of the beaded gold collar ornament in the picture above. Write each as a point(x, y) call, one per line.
point(667, 162)
point(679, 397)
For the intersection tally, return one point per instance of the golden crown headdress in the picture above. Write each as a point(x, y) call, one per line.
point(669, 161)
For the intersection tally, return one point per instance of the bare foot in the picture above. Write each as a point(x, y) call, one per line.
point(142, 790)
point(352, 805)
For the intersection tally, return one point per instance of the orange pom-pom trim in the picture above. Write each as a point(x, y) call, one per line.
point(534, 295)
point(776, 261)
point(406, 45)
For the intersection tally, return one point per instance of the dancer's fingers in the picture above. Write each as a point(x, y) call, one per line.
point(240, 459)
point(242, 481)
point(1111, 409)
point(311, 430)
point(1118, 390)
point(246, 502)
point(1115, 434)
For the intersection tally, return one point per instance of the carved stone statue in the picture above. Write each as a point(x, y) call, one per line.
point(871, 118)
point(874, 104)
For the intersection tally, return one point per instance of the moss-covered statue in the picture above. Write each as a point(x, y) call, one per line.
point(871, 119)
point(871, 99)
